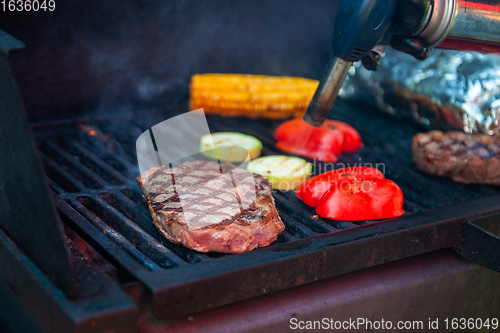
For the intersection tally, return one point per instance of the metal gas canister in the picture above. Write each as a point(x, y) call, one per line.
point(411, 26)
point(464, 25)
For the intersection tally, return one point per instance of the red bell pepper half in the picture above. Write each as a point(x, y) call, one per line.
point(312, 190)
point(353, 194)
point(323, 143)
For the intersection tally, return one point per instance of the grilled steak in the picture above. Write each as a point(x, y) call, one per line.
point(468, 159)
point(207, 206)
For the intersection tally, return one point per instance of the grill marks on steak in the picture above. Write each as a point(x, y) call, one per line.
point(208, 206)
point(465, 158)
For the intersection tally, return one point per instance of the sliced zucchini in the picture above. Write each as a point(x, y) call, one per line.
point(230, 146)
point(284, 172)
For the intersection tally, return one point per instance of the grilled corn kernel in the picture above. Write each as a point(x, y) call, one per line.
point(253, 96)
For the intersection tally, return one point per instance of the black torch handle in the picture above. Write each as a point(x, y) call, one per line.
point(359, 26)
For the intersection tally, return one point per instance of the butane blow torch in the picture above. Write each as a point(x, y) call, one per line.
point(411, 26)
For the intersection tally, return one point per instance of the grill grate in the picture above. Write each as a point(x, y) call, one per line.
point(91, 167)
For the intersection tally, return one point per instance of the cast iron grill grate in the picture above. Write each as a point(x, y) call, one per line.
point(91, 168)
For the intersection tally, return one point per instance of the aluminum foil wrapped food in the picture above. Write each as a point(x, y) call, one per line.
point(449, 90)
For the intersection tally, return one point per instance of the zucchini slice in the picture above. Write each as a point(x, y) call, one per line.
point(284, 172)
point(230, 146)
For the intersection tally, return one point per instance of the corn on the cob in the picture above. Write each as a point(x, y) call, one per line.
point(253, 96)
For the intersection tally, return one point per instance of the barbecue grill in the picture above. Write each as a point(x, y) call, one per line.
point(98, 261)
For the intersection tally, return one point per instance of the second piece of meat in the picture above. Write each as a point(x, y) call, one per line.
point(465, 158)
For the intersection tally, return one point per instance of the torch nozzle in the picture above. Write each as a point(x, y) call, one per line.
point(328, 89)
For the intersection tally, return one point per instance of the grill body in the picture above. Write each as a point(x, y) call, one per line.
point(91, 166)
point(114, 264)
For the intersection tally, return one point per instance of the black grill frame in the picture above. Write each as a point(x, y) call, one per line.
point(109, 214)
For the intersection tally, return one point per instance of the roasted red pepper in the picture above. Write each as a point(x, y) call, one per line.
point(325, 143)
point(353, 194)
point(298, 137)
point(352, 139)
point(362, 200)
point(312, 190)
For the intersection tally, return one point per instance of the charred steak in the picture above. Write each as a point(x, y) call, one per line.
point(465, 158)
point(207, 206)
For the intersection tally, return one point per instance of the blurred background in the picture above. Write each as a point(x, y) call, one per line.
point(113, 56)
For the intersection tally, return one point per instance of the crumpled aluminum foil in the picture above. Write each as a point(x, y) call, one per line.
point(449, 90)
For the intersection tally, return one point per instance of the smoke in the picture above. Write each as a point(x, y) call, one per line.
point(95, 56)
point(143, 53)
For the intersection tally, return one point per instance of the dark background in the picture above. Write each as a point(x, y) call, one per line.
point(120, 55)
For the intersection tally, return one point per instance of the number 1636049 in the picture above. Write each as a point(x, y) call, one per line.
point(27, 5)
